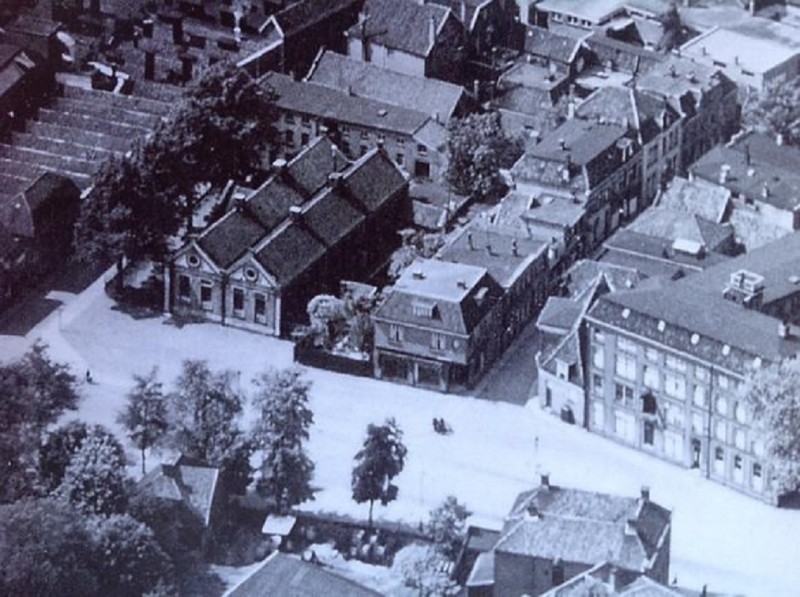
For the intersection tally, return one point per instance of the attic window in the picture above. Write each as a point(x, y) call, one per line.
point(421, 309)
point(251, 274)
point(757, 362)
point(726, 350)
point(382, 112)
point(193, 260)
point(662, 325)
point(626, 313)
point(695, 339)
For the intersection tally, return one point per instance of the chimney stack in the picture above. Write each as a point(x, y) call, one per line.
point(562, 144)
point(296, 213)
point(784, 330)
point(723, 173)
point(147, 28)
point(544, 480)
point(779, 139)
point(514, 247)
point(431, 31)
point(630, 528)
point(645, 493)
point(765, 191)
point(470, 241)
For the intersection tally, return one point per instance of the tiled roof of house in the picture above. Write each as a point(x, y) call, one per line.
point(547, 44)
point(673, 225)
point(299, 16)
point(17, 212)
point(365, 79)
point(329, 103)
point(449, 289)
point(647, 587)
point(628, 57)
point(584, 272)
point(583, 141)
point(559, 313)
point(660, 248)
point(584, 527)
point(288, 576)
point(401, 25)
point(471, 9)
point(527, 88)
point(683, 82)
point(505, 256)
point(194, 485)
point(331, 197)
point(753, 230)
point(700, 197)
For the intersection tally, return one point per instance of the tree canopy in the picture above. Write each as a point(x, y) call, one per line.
point(447, 527)
point(280, 433)
point(379, 461)
point(776, 111)
point(145, 415)
point(773, 393)
point(220, 130)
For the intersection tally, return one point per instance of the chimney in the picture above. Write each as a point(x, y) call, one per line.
point(645, 493)
point(779, 139)
point(279, 165)
point(435, 117)
point(514, 248)
point(544, 480)
point(470, 241)
point(149, 65)
point(784, 330)
point(630, 528)
point(418, 274)
point(672, 72)
point(562, 144)
point(147, 28)
point(765, 191)
point(723, 173)
point(296, 213)
point(431, 31)
point(462, 284)
point(747, 153)
point(476, 89)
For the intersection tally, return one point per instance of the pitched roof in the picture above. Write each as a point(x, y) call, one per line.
point(584, 527)
point(583, 141)
point(365, 79)
point(329, 103)
point(630, 108)
point(196, 486)
point(559, 313)
point(673, 225)
point(299, 16)
point(504, 255)
point(547, 44)
point(17, 213)
point(288, 576)
point(449, 291)
point(700, 197)
point(584, 272)
point(402, 25)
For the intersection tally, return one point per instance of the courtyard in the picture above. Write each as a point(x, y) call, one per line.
point(720, 539)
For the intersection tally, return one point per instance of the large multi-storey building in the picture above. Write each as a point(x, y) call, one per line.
point(664, 365)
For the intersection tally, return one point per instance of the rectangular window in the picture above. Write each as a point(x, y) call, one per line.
point(649, 433)
point(625, 366)
point(651, 354)
point(701, 373)
point(288, 138)
point(626, 345)
point(205, 294)
point(598, 357)
point(757, 479)
point(184, 288)
point(598, 414)
point(438, 342)
point(399, 159)
point(306, 120)
point(673, 445)
point(740, 439)
point(304, 139)
point(675, 363)
point(365, 135)
point(719, 461)
point(597, 384)
point(651, 378)
point(675, 386)
point(699, 395)
point(260, 307)
point(289, 118)
point(395, 332)
point(238, 302)
point(625, 426)
point(623, 394)
point(422, 150)
point(598, 336)
point(674, 415)
point(698, 423)
point(720, 431)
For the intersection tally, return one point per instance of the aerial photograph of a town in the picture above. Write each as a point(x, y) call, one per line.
point(412, 298)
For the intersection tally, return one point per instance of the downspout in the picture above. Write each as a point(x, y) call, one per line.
point(224, 301)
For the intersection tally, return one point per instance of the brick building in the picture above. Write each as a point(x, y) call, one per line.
point(553, 534)
point(317, 220)
point(415, 140)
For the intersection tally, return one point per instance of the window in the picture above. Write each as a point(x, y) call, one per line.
point(739, 439)
point(597, 383)
point(759, 447)
point(722, 405)
point(304, 139)
point(651, 378)
point(238, 302)
point(675, 363)
point(720, 431)
point(723, 382)
point(289, 118)
point(184, 288)
point(205, 294)
point(548, 396)
point(649, 404)
point(675, 386)
point(757, 478)
point(251, 274)
point(598, 336)
point(625, 366)
point(674, 415)
point(623, 393)
point(438, 342)
point(625, 426)
point(260, 307)
point(626, 345)
point(363, 149)
point(598, 357)
point(649, 433)
point(288, 137)
point(395, 332)
point(305, 120)
point(719, 460)
point(738, 469)
point(365, 135)
point(698, 423)
point(740, 412)
point(651, 354)
point(193, 260)
point(422, 309)
point(399, 159)
point(422, 150)
point(699, 395)
point(673, 445)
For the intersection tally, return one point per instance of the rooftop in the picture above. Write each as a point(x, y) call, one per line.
point(435, 279)
point(299, 16)
point(697, 196)
point(194, 485)
point(365, 79)
point(548, 44)
point(504, 255)
point(583, 141)
point(675, 77)
point(335, 104)
point(596, 11)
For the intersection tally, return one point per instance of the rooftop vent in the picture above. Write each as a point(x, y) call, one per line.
point(296, 212)
point(382, 112)
point(794, 279)
point(745, 288)
point(418, 274)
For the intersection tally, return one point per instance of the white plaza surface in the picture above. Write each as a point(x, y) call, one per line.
point(720, 538)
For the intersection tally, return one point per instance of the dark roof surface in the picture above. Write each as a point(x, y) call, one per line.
point(194, 485)
point(583, 140)
point(299, 16)
point(401, 25)
point(546, 43)
point(288, 576)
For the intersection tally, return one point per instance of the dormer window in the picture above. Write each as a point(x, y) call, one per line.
point(423, 309)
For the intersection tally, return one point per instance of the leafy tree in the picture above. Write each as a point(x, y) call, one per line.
point(145, 414)
point(447, 527)
point(57, 450)
point(423, 568)
point(328, 317)
point(203, 414)
point(478, 147)
point(220, 130)
point(94, 479)
point(280, 432)
point(131, 561)
point(773, 393)
point(776, 111)
point(34, 393)
point(377, 463)
point(415, 245)
point(673, 29)
point(43, 550)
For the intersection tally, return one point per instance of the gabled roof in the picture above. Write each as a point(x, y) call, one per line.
point(288, 576)
point(583, 140)
point(15, 64)
point(583, 273)
point(550, 45)
point(333, 104)
point(401, 25)
point(584, 527)
point(449, 290)
point(559, 314)
point(365, 79)
point(674, 225)
point(299, 16)
point(700, 197)
point(194, 485)
point(17, 214)
point(471, 8)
